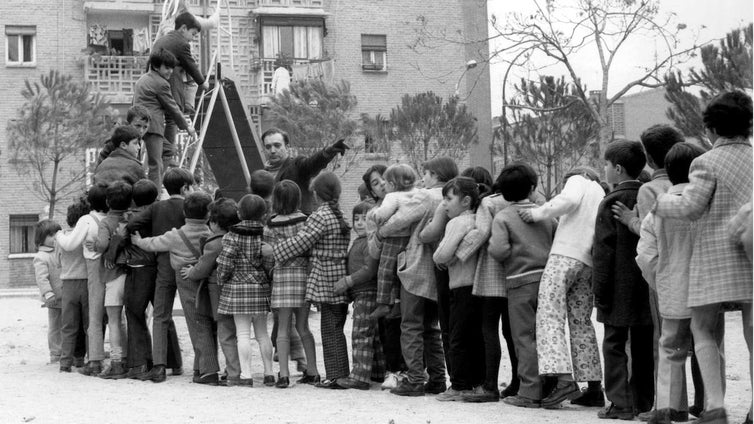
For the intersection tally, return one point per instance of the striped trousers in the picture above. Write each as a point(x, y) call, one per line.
point(334, 347)
point(366, 347)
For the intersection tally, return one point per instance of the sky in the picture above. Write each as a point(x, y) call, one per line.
point(717, 17)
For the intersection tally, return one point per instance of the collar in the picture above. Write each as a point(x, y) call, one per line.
point(44, 248)
point(660, 173)
point(724, 141)
point(628, 185)
point(195, 222)
point(176, 196)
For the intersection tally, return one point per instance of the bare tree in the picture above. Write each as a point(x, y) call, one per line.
point(59, 120)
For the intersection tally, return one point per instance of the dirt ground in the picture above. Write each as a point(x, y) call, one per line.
point(32, 391)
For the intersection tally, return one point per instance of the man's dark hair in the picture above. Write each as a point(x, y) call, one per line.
point(137, 112)
point(678, 161)
point(187, 19)
point(657, 141)
point(175, 178)
point(627, 154)
point(516, 181)
point(195, 205)
point(144, 192)
point(729, 114)
point(76, 210)
point(224, 213)
point(124, 134)
point(97, 197)
point(119, 195)
point(273, 131)
point(162, 57)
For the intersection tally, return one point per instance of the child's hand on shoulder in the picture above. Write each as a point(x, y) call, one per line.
point(185, 271)
point(89, 244)
point(121, 230)
point(136, 238)
point(525, 215)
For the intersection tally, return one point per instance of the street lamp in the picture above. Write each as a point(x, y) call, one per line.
point(471, 64)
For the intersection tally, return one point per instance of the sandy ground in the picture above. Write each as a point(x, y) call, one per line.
point(32, 391)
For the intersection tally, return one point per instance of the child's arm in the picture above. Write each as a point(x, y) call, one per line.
point(435, 228)
point(140, 220)
point(387, 209)
point(42, 276)
point(568, 199)
point(186, 59)
point(103, 238)
point(165, 97)
point(268, 259)
point(446, 250)
point(407, 214)
point(303, 241)
point(647, 253)
point(206, 264)
point(499, 246)
point(479, 235)
point(603, 257)
point(161, 243)
point(226, 260)
point(696, 197)
point(75, 238)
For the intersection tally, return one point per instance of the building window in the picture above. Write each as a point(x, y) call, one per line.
point(373, 52)
point(22, 233)
point(295, 38)
point(21, 45)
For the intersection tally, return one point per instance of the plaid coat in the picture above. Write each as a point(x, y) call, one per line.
point(243, 269)
point(719, 184)
point(328, 247)
point(288, 278)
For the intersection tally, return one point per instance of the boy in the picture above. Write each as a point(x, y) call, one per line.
point(361, 286)
point(123, 163)
point(183, 245)
point(156, 220)
point(523, 249)
point(137, 117)
point(620, 293)
point(75, 298)
point(223, 214)
point(152, 91)
point(113, 276)
point(664, 255)
point(46, 264)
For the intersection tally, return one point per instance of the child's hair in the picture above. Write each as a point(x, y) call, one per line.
point(729, 114)
point(144, 192)
point(286, 197)
point(195, 205)
point(363, 192)
point(678, 161)
point(402, 176)
point(175, 178)
point(252, 207)
point(516, 181)
point(224, 213)
point(585, 171)
point(327, 187)
point(76, 210)
point(97, 197)
point(273, 131)
point(657, 141)
point(481, 176)
point(444, 168)
point(187, 19)
point(462, 187)
point(119, 195)
point(44, 228)
point(137, 112)
point(367, 177)
point(262, 182)
point(605, 187)
point(162, 57)
point(361, 208)
point(627, 154)
point(124, 134)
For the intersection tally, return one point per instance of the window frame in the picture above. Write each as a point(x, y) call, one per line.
point(374, 51)
point(20, 32)
point(24, 222)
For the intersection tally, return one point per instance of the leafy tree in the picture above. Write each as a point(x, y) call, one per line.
point(58, 121)
point(724, 68)
point(427, 127)
point(316, 114)
point(556, 135)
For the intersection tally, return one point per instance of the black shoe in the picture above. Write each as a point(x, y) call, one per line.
point(522, 402)
point(696, 410)
point(269, 380)
point(614, 413)
point(667, 416)
point(407, 388)
point(329, 384)
point(309, 379)
point(116, 371)
point(434, 388)
point(78, 362)
point(480, 394)
point(210, 379)
point(350, 383)
point(178, 371)
point(65, 368)
point(157, 375)
point(93, 368)
point(590, 398)
point(511, 389)
point(560, 393)
point(283, 382)
point(137, 372)
point(240, 382)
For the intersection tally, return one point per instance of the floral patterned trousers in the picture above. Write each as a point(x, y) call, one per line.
point(565, 293)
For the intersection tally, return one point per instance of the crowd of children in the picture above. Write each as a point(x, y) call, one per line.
point(434, 270)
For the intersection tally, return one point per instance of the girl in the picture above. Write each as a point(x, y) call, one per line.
point(243, 270)
point(47, 273)
point(289, 282)
point(565, 292)
point(325, 236)
point(460, 199)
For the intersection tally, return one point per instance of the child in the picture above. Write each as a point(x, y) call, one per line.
point(289, 282)
point(399, 186)
point(421, 340)
point(663, 255)
point(156, 220)
point(460, 199)
point(325, 237)
point(86, 229)
point(152, 91)
point(183, 245)
point(223, 214)
point(620, 293)
point(138, 118)
point(114, 277)
point(361, 286)
point(75, 298)
point(47, 273)
point(720, 183)
point(123, 163)
point(523, 249)
point(243, 269)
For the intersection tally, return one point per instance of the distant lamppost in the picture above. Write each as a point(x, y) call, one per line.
point(471, 64)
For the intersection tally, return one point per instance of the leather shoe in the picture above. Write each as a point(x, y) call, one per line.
point(350, 383)
point(210, 379)
point(714, 416)
point(176, 371)
point(283, 382)
point(522, 402)
point(329, 384)
point(590, 398)
point(157, 375)
point(612, 412)
point(435, 388)
point(560, 393)
point(136, 372)
point(308, 379)
point(407, 388)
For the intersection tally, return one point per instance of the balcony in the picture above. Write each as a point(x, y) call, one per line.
point(115, 76)
point(302, 69)
point(290, 3)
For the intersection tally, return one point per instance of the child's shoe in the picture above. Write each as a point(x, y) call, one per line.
point(612, 412)
point(93, 368)
point(309, 379)
point(210, 379)
point(391, 381)
point(157, 375)
point(78, 362)
point(480, 394)
point(241, 382)
point(452, 395)
point(350, 383)
point(65, 368)
point(116, 371)
point(590, 398)
point(283, 382)
point(54, 359)
point(522, 402)
point(269, 380)
point(407, 388)
point(511, 389)
point(137, 373)
point(561, 392)
point(435, 388)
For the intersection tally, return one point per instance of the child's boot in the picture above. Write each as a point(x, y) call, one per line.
point(116, 371)
point(93, 368)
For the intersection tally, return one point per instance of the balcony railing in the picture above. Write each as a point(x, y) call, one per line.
point(115, 76)
point(291, 3)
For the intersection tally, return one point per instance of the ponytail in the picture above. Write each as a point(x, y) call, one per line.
point(335, 208)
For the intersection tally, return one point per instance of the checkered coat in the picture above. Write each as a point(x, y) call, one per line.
point(289, 277)
point(243, 269)
point(328, 247)
point(720, 182)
